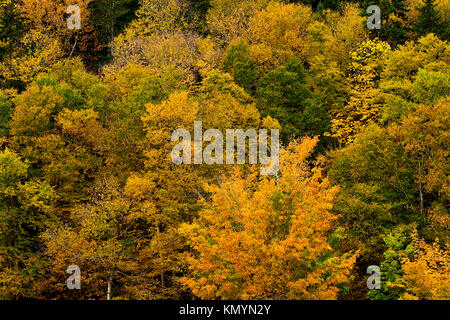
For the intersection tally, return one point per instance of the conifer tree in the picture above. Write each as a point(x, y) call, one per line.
point(11, 25)
point(430, 21)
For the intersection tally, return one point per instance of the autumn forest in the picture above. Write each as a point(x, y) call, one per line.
point(92, 90)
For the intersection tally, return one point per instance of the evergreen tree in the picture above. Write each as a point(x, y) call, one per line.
point(283, 95)
point(11, 25)
point(5, 114)
point(110, 17)
point(241, 66)
point(321, 4)
point(394, 20)
point(430, 21)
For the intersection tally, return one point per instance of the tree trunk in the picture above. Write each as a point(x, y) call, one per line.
point(108, 293)
point(112, 26)
point(420, 186)
point(162, 273)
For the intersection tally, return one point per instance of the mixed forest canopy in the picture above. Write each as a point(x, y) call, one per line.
point(86, 117)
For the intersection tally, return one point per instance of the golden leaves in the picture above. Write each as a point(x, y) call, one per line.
point(258, 239)
point(426, 275)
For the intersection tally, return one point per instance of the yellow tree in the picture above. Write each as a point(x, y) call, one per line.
point(165, 193)
point(267, 238)
point(58, 21)
point(50, 16)
point(155, 38)
point(221, 104)
point(424, 134)
point(364, 106)
point(33, 54)
point(161, 53)
point(53, 129)
point(230, 19)
point(26, 205)
point(279, 33)
point(348, 32)
point(103, 240)
point(427, 274)
point(158, 16)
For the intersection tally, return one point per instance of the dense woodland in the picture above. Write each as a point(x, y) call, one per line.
point(86, 179)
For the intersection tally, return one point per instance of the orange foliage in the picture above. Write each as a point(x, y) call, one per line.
point(267, 238)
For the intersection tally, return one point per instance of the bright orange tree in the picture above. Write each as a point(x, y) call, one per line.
point(267, 238)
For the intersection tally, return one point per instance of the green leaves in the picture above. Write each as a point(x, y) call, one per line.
point(241, 66)
point(11, 26)
point(12, 172)
point(430, 21)
point(282, 94)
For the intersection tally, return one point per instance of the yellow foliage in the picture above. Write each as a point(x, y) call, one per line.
point(35, 53)
point(279, 33)
point(365, 102)
point(157, 16)
point(267, 238)
point(427, 275)
point(348, 30)
point(229, 19)
point(159, 52)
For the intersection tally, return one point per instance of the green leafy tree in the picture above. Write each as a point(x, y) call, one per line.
point(283, 94)
point(241, 66)
point(109, 17)
point(399, 244)
point(5, 114)
point(25, 207)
